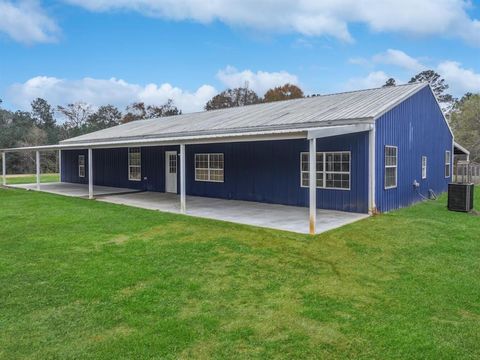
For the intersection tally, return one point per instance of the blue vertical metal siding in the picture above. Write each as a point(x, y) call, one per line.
point(110, 167)
point(70, 166)
point(267, 171)
point(417, 128)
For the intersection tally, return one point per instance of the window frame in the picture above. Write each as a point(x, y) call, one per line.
point(81, 166)
point(424, 167)
point(448, 162)
point(209, 169)
point(130, 166)
point(324, 172)
point(385, 167)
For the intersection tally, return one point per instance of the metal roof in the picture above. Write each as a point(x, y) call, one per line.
point(325, 110)
point(459, 149)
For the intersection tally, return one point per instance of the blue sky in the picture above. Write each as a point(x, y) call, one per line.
point(123, 51)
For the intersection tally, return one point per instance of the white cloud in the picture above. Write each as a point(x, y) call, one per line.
point(372, 80)
point(120, 93)
point(26, 22)
point(259, 81)
point(312, 17)
point(105, 91)
point(461, 80)
point(400, 59)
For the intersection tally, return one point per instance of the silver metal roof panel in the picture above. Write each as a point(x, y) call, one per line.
point(325, 110)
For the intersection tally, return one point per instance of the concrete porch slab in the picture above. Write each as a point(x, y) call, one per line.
point(70, 189)
point(280, 217)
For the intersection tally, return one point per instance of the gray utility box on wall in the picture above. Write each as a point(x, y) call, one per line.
point(460, 197)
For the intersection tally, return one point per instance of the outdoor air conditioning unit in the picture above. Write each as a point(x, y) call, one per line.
point(460, 194)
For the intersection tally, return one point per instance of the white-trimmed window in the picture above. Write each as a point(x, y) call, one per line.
point(424, 167)
point(447, 163)
point(134, 164)
point(391, 166)
point(337, 170)
point(81, 166)
point(333, 170)
point(305, 168)
point(209, 167)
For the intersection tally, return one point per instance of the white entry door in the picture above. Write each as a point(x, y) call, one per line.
point(171, 171)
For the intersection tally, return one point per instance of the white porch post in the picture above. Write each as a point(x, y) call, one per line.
point(371, 171)
point(90, 174)
point(37, 162)
point(60, 165)
point(183, 206)
point(312, 160)
point(4, 168)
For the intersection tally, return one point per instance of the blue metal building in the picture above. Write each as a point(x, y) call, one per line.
point(363, 151)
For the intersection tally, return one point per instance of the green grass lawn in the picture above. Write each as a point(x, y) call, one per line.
point(30, 179)
point(91, 280)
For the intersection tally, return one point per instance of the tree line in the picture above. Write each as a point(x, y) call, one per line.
point(45, 124)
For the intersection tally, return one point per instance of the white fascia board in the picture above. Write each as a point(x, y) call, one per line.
point(338, 130)
point(461, 148)
point(283, 134)
point(207, 139)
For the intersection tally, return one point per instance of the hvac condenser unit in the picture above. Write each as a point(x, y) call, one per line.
point(460, 194)
point(460, 197)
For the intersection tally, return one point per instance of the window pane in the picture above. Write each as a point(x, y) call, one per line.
point(172, 164)
point(320, 179)
point(216, 175)
point(201, 174)
point(305, 179)
point(319, 161)
point(390, 177)
point(201, 161)
point(216, 161)
point(305, 164)
point(134, 173)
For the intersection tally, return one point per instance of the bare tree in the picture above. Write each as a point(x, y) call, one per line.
point(76, 114)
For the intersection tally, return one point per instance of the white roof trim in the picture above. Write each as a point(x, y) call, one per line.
point(338, 130)
point(461, 148)
point(205, 139)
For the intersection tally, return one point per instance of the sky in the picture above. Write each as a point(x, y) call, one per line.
point(121, 51)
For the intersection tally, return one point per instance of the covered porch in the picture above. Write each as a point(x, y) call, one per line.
point(273, 216)
point(284, 195)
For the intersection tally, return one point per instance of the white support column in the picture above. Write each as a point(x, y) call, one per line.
point(90, 174)
point(183, 206)
point(372, 207)
point(60, 165)
point(4, 168)
point(37, 162)
point(312, 160)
